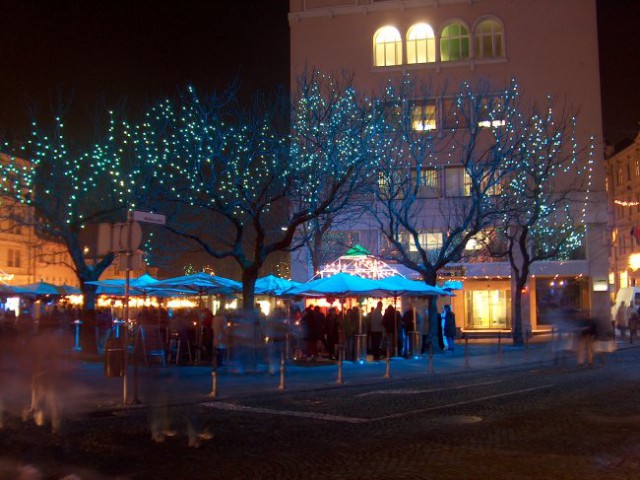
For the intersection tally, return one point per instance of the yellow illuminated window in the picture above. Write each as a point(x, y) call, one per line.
point(387, 47)
point(423, 116)
point(488, 39)
point(421, 44)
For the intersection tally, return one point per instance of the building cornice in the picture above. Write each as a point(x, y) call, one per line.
point(354, 8)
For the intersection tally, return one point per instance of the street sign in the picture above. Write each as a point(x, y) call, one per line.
point(130, 237)
point(148, 217)
point(118, 237)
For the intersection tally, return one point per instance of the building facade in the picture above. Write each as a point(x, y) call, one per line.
point(549, 47)
point(623, 185)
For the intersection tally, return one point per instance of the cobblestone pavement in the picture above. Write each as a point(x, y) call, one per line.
point(542, 420)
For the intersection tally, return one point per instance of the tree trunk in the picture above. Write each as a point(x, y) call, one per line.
point(249, 277)
point(434, 315)
point(88, 337)
point(517, 332)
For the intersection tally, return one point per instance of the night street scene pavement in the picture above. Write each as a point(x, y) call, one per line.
point(487, 410)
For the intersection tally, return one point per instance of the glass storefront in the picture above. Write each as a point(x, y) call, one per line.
point(488, 309)
point(557, 293)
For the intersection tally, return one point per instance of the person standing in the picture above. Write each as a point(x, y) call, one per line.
point(449, 327)
point(622, 318)
point(376, 331)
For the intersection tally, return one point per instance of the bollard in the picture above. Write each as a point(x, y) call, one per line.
point(499, 347)
point(281, 386)
point(466, 351)
point(526, 344)
point(340, 358)
point(430, 357)
point(214, 377)
point(361, 348)
point(77, 346)
point(387, 372)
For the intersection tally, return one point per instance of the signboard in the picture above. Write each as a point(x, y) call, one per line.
point(148, 217)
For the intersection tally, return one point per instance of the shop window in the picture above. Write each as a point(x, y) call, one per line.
point(489, 40)
point(387, 47)
point(488, 309)
point(454, 43)
point(421, 44)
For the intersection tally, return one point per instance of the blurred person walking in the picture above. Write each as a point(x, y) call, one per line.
point(449, 327)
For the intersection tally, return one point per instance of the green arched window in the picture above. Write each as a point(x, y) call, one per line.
point(454, 43)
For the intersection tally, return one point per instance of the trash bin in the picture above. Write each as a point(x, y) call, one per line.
point(114, 358)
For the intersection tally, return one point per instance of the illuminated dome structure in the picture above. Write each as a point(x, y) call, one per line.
point(358, 261)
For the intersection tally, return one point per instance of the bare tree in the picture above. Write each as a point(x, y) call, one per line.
point(440, 175)
point(68, 188)
point(237, 182)
point(331, 123)
point(545, 198)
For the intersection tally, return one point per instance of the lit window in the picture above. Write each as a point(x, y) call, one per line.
point(454, 43)
point(619, 177)
point(423, 116)
point(637, 165)
point(428, 241)
point(478, 241)
point(457, 182)
point(427, 182)
point(491, 112)
point(421, 44)
point(494, 184)
point(387, 47)
point(488, 40)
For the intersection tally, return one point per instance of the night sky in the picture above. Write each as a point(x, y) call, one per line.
point(136, 52)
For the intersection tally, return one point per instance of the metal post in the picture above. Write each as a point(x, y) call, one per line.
point(77, 346)
point(281, 386)
point(387, 373)
point(214, 374)
point(466, 351)
point(361, 346)
point(499, 347)
point(287, 346)
point(340, 357)
point(430, 357)
point(125, 334)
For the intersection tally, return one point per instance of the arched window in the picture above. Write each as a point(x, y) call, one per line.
point(488, 39)
point(387, 47)
point(454, 43)
point(421, 44)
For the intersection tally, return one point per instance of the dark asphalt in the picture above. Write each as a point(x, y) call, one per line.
point(498, 413)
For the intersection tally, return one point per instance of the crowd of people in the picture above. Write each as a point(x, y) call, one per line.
point(386, 330)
